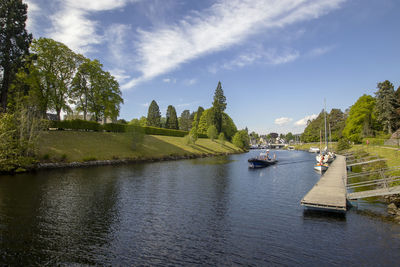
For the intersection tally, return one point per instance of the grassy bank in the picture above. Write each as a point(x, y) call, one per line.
point(391, 154)
point(70, 146)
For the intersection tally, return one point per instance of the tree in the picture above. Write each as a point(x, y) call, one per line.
point(197, 116)
point(212, 132)
point(185, 123)
point(221, 138)
point(56, 65)
point(386, 106)
point(84, 84)
point(154, 115)
point(193, 135)
point(172, 119)
point(241, 139)
point(362, 120)
point(289, 137)
point(14, 44)
point(219, 105)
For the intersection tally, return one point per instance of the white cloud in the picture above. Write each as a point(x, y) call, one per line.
point(320, 51)
point(167, 80)
point(116, 39)
point(33, 11)
point(73, 27)
point(190, 82)
point(226, 23)
point(303, 121)
point(259, 55)
point(283, 120)
point(120, 75)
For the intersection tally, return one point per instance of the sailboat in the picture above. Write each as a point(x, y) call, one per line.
point(322, 159)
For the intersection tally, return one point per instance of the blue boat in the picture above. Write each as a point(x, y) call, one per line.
point(262, 161)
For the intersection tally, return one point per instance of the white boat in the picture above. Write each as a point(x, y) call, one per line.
point(290, 148)
point(313, 150)
point(324, 158)
point(321, 167)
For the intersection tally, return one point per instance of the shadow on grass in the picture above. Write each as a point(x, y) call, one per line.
point(155, 147)
point(203, 149)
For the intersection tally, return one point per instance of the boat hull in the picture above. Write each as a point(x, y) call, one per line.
point(260, 163)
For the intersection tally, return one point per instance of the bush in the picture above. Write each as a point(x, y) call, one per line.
point(241, 139)
point(193, 135)
point(343, 144)
point(162, 131)
point(188, 140)
point(212, 132)
point(114, 127)
point(76, 125)
point(221, 138)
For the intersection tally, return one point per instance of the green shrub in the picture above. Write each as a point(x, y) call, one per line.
point(162, 131)
point(76, 125)
point(114, 127)
point(212, 132)
point(221, 138)
point(241, 139)
point(343, 144)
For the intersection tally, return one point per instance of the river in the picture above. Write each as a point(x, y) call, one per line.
point(211, 211)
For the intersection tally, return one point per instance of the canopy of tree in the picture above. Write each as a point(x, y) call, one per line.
point(335, 120)
point(171, 118)
point(207, 119)
point(362, 119)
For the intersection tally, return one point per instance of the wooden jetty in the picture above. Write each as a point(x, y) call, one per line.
point(329, 193)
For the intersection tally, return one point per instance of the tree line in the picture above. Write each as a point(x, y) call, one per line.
point(213, 122)
point(370, 116)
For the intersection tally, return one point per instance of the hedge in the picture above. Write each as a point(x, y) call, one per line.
point(115, 127)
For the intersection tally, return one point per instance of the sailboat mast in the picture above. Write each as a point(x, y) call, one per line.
point(326, 138)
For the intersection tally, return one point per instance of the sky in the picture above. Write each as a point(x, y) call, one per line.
point(277, 60)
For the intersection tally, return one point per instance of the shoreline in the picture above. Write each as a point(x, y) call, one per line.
point(116, 162)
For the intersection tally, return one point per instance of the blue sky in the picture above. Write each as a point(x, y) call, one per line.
point(276, 59)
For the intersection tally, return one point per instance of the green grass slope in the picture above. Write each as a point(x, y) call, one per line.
point(72, 146)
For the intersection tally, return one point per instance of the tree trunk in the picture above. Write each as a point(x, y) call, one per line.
point(58, 114)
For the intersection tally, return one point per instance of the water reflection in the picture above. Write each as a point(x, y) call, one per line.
point(211, 211)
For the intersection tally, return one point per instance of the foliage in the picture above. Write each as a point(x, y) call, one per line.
point(172, 119)
point(228, 126)
point(184, 121)
point(76, 125)
point(14, 44)
point(56, 65)
point(241, 139)
point(335, 119)
point(193, 135)
point(221, 138)
point(219, 105)
point(289, 136)
point(154, 115)
point(362, 120)
point(207, 119)
point(343, 144)
point(18, 134)
point(386, 106)
point(197, 116)
point(212, 132)
point(114, 127)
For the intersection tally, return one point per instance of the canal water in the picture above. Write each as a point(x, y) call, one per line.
point(212, 211)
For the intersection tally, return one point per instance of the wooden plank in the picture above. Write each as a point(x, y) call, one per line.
point(374, 193)
point(329, 193)
point(365, 162)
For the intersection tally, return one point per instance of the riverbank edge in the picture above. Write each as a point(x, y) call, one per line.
point(77, 164)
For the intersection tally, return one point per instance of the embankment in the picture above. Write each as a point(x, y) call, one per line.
point(79, 148)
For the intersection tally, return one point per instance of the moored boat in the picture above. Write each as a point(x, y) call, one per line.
point(321, 167)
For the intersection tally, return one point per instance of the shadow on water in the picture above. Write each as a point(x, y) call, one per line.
point(324, 215)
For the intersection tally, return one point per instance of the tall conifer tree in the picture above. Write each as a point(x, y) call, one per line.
point(14, 43)
point(172, 119)
point(386, 105)
point(219, 105)
point(154, 115)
